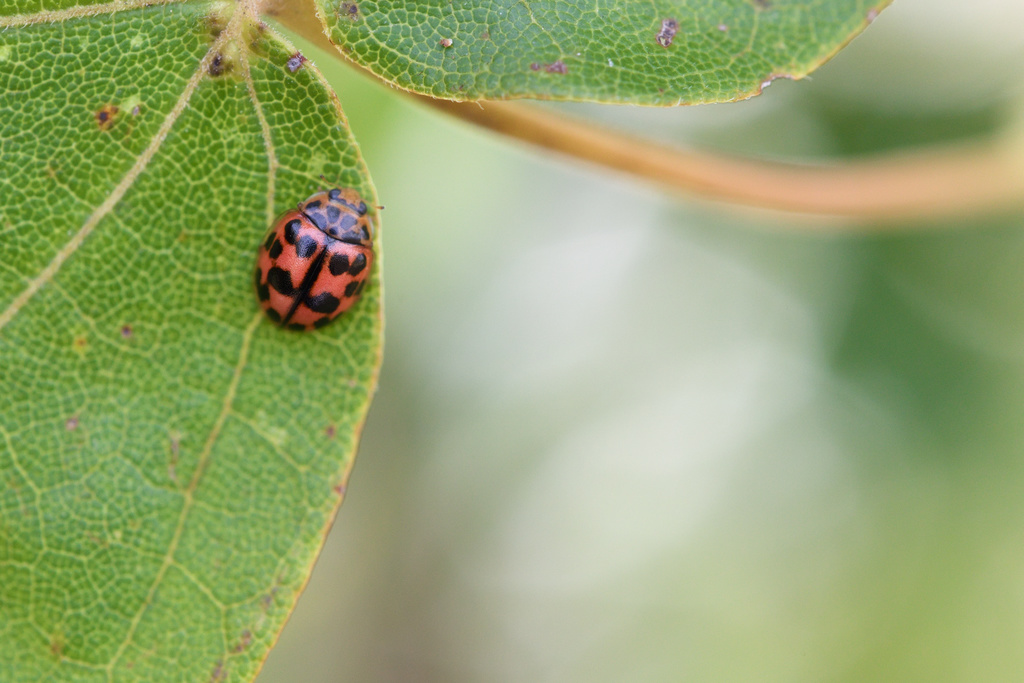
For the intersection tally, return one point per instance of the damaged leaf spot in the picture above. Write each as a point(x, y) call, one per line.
point(771, 77)
point(446, 42)
point(105, 116)
point(243, 642)
point(219, 65)
point(296, 61)
point(557, 67)
point(71, 424)
point(669, 28)
point(349, 9)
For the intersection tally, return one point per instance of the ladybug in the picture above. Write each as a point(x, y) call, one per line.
point(315, 260)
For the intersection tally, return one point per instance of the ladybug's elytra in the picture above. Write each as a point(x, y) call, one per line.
point(315, 260)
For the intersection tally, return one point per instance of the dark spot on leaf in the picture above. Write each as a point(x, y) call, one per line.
point(57, 646)
point(218, 674)
point(557, 67)
point(219, 65)
point(135, 110)
point(763, 4)
point(349, 9)
point(126, 331)
point(106, 115)
point(340, 490)
point(723, 28)
point(243, 642)
point(535, 67)
point(486, 35)
point(446, 42)
point(81, 343)
point(330, 431)
point(669, 28)
point(295, 62)
point(71, 424)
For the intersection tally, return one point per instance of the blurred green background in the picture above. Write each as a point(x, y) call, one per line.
point(626, 436)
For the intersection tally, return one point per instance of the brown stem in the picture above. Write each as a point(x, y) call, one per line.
point(941, 183)
point(946, 182)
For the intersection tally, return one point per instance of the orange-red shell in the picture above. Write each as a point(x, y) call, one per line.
point(315, 260)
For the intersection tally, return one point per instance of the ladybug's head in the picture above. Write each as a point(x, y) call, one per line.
point(340, 213)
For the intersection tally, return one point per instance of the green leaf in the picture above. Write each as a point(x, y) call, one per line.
point(169, 459)
point(665, 52)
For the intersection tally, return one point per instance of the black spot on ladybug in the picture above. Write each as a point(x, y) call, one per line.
point(306, 246)
point(297, 327)
point(316, 217)
point(338, 264)
point(333, 213)
point(351, 288)
point(344, 202)
point(334, 195)
point(312, 205)
point(320, 322)
point(274, 315)
point(291, 229)
point(358, 264)
point(362, 209)
point(281, 280)
point(262, 290)
point(270, 241)
point(324, 302)
point(275, 249)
